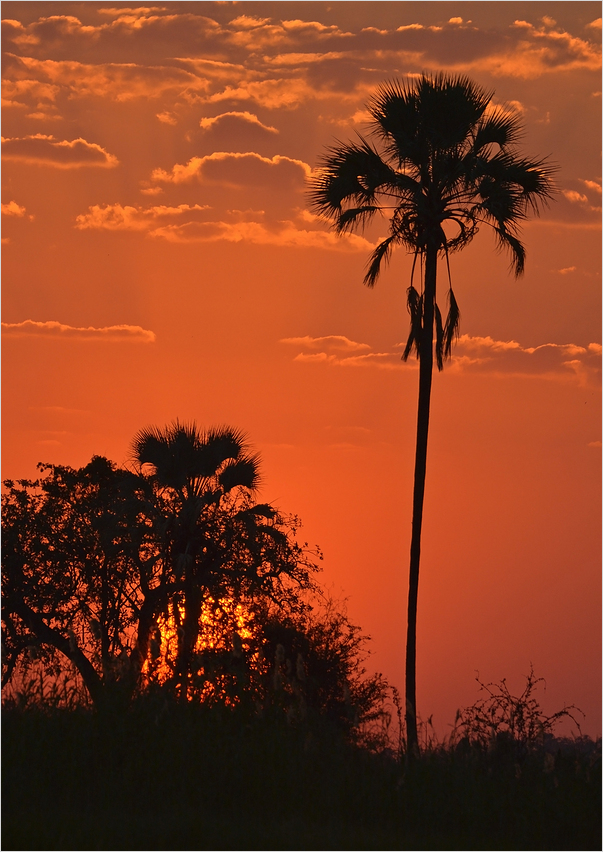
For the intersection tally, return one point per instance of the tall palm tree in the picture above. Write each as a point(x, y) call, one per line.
point(195, 470)
point(441, 161)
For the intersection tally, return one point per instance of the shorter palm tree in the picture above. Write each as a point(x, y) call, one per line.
point(195, 471)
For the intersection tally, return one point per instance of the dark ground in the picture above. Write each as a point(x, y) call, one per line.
point(192, 778)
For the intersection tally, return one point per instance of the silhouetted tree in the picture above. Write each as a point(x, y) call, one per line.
point(93, 559)
point(442, 161)
point(79, 567)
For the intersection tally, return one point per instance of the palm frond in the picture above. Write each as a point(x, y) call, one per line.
point(414, 303)
point(356, 218)
point(499, 127)
point(243, 473)
point(439, 341)
point(350, 173)
point(507, 240)
point(452, 326)
point(381, 254)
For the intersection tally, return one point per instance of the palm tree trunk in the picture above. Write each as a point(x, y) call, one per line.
point(425, 375)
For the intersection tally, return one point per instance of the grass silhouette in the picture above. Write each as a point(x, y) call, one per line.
point(168, 775)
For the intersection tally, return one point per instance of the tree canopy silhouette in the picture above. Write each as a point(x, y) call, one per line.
point(93, 559)
point(441, 161)
point(172, 577)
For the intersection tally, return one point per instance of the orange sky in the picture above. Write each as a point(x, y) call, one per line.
point(160, 261)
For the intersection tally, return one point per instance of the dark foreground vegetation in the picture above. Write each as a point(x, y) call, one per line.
point(168, 775)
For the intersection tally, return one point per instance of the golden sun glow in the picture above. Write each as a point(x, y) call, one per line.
point(225, 631)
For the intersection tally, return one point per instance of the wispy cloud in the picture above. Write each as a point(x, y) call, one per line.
point(331, 341)
point(188, 224)
point(551, 360)
point(281, 234)
point(471, 354)
point(336, 350)
point(60, 331)
point(117, 217)
point(62, 154)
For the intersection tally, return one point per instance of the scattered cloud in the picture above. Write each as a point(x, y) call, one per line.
point(238, 169)
point(331, 341)
point(115, 81)
point(574, 196)
point(59, 331)
point(13, 209)
point(234, 119)
point(116, 217)
point(591, 184)
point(336, 350)
point(550, 360)
point(48, 151)
point(167, 118)
point(566, 270)
point(470, 354)
point(188, 223)
point(16, 93)
point(284, 233)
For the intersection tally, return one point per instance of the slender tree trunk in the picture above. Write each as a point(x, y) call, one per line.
point(425, 374)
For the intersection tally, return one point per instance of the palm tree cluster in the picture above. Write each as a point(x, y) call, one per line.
point(440, 161)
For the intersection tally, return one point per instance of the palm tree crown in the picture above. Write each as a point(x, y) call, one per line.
point(442, 161)
point(197, 463)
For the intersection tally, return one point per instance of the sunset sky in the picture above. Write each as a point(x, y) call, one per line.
point(160, 261)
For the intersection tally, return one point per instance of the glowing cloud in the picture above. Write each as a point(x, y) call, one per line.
point(13, 209)
point(48, 151)
point(58, 331)
point(115, 217)
point(331, 341)
point(481, 354)
point(232, 119)
point(234, 169)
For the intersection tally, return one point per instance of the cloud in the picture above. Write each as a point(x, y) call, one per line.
point(566, 270)
point(163, 222)
point(235, 131)
point(549, 360)
point(113, 81)
point(48, 151)
point(233, 120)
point(115, 217)
point(279, 234)
point(167, 118)
point(13, 209)
point(470, 354)
point(335, 350)
point(133, 12)
point(591, 184)
point(330, 342)
point(238, 169)
point(574, 196)
point(14, 92)
point(59, 331)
